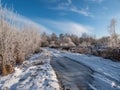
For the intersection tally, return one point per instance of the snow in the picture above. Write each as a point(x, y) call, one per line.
point(35, 73)
point(106, 73)
point(13, 79)
point(105, 70)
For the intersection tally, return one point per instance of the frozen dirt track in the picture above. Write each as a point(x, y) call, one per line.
point(73, 75)
point(85, 72)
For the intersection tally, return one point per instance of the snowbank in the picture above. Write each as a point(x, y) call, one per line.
point(34, 74)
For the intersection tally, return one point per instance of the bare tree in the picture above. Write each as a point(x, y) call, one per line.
point(113, 35)
point(44, 41)
point(53, 37)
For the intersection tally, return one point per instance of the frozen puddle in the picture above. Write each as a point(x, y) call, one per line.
point(34, 74)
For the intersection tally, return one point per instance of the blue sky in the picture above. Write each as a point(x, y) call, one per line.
point(69, 16)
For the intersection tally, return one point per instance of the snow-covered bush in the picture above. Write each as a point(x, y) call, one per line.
point(16, 42)
point(67, 42)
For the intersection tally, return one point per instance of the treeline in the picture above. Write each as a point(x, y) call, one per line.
point(112, 41)
point(72, 40)
point(16, 41)
point(105, 47)
point(65, 40)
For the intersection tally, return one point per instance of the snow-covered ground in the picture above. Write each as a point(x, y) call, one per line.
point(106, 74)
point(34, 74)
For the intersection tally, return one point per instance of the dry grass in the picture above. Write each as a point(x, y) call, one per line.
point(15, 43)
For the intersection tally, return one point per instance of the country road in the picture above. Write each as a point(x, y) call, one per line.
point(71, 74)
point(85, 72)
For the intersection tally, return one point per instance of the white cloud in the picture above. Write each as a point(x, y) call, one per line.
point(98, 1)
point(45, 29)
point(20, 20)
point(105, 8)
point(61, 26)
point(70, 1)
point(81, 11)
point(68, 6)
point(38, 26)
point(69, 27)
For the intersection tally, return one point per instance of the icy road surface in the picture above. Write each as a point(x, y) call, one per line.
point(34, 74)
point(73, 75)
point(86, 70)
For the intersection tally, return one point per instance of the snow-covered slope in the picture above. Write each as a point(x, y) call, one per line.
point(34, 74)
point(106, 74)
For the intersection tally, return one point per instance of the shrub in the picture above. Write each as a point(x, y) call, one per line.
point(16, 43)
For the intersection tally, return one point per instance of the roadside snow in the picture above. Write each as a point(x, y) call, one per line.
point(34, 74)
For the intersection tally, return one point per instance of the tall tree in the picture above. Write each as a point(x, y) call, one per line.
point(113, 35)
point(44, 41)
point(53, 37)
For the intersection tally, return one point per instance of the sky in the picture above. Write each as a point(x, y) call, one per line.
point(68, 16)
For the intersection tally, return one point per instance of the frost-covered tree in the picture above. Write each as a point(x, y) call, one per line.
point(113, 34)
point(53, 37)
point(75, 39)
point(67, 42)
point(44, 41)
point(103, 41)
point(87, 40)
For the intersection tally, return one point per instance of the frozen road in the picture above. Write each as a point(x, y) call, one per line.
point(72, 74)
point(85, 72)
